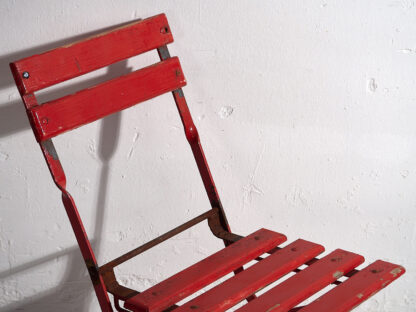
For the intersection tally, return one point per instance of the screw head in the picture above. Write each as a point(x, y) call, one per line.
point(164, 30)
point(25, 75)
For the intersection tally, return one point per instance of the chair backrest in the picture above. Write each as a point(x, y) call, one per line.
point(69, 112)
point(66, 113)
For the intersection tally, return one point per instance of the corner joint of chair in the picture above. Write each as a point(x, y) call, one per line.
point(93, 270)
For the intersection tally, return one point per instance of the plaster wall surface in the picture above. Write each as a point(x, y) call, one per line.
point(306, 111)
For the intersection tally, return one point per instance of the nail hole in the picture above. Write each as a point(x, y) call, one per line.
point(164, 30)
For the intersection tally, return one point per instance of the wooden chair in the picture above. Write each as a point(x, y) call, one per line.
point(69, 112)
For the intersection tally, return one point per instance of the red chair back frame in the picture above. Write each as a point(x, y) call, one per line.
point(66, 113)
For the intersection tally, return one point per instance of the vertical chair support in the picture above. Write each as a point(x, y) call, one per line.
point(59, 178)
point(218, 224)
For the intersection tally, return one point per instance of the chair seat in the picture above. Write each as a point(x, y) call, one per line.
point(270, 268)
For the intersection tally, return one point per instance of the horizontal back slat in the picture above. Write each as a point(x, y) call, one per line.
point(66, 62)
point(72, 111)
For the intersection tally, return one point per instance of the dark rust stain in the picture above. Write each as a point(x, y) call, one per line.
point(77, 63)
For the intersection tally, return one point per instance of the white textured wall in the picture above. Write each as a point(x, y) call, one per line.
point(306, 110)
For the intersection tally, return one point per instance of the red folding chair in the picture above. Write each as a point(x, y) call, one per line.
point(69, 112)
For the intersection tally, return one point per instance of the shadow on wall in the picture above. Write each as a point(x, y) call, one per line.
point(75, 287)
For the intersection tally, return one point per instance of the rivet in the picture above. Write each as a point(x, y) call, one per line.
point(25, 75)
point(177, 73)
point(45, 120)
point(164, 30)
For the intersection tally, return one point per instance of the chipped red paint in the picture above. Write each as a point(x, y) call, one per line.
point(358, 288)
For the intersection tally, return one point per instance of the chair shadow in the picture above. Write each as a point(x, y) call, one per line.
point(75, 289)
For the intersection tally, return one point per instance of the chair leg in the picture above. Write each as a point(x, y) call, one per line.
point(117, 305)
point(86, 251)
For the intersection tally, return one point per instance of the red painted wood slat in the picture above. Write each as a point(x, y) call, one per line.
point(239, 287)
point(357, 288)
point(203, 273)
point(79, 58)
point(305, 283)
point(72, 111)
